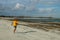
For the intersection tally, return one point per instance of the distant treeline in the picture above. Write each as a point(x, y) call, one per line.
point(16, 16)
point(24, 16)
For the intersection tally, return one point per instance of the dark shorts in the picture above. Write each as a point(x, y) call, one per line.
point(15, 26)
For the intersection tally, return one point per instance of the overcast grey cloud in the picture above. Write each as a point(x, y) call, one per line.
point(30, 7)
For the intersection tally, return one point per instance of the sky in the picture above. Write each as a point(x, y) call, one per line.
point(38, 8)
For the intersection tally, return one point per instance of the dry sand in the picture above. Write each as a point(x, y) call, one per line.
point(24, 33)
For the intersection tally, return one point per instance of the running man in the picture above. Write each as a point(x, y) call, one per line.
point(15, 23)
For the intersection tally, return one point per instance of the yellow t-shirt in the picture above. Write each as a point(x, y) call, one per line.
point(15, 23)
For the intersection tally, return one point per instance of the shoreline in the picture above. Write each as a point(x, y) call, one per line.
point(42, 25)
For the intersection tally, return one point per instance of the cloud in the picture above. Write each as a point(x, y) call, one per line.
point(49, 2)
point(19, 6)
point(45, 1)
point(32, 5)
point(46, 10)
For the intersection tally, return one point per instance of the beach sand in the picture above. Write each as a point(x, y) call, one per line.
point(25, 32)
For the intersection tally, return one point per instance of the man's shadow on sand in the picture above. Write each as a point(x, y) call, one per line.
point(26, 32)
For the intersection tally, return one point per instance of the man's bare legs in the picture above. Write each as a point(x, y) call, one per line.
point(14, 30)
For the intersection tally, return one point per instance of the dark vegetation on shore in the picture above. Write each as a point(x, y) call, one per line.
point(23, 16)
